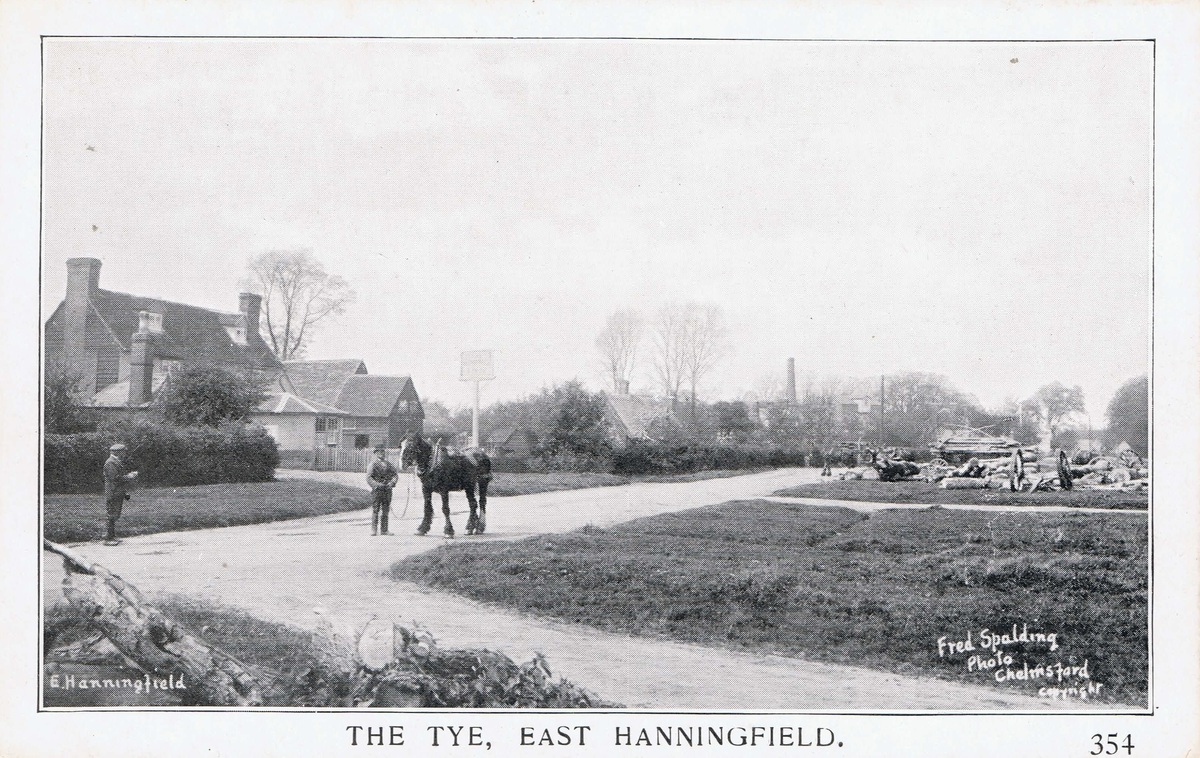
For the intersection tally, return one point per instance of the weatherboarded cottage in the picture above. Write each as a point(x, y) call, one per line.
point(379, 410)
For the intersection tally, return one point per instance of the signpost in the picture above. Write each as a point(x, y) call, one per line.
point(477, 367)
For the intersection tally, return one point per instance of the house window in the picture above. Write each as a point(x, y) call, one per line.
point(108, 366)
point(327, 423)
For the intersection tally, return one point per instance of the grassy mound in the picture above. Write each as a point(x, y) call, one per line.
point(836, 585)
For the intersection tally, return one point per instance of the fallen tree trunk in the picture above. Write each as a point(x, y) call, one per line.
point(151, 640)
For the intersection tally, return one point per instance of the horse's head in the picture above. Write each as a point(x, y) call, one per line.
point(415, 451)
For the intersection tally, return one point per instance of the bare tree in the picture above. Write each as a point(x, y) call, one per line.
point(297, 293)
point(668, 336)
point(618, 345)
point(703, 344)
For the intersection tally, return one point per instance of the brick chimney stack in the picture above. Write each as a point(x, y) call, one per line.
point(141, 363)
point(83, 279)
point(251, 307)
point(791, 381)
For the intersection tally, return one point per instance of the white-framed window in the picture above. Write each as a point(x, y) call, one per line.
point(327, 423)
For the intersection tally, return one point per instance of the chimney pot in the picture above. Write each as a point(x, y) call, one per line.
point(250, 305)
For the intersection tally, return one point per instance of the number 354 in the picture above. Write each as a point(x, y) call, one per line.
point(1107, 745)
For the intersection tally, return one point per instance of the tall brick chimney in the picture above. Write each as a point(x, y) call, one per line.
point(251, 307)
point(83, 279)
point(141, 362)
point(791, 381)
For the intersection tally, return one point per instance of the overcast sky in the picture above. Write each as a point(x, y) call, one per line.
point(976, 210)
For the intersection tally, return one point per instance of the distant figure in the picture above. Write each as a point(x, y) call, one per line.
point(382, 477)
point(116, 479)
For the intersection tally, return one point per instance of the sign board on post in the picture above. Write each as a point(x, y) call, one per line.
point(477, 366)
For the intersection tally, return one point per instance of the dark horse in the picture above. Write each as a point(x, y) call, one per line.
point(444, 472)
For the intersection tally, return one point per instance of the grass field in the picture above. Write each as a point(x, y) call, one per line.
point(931, 494)
point(505, 484)
point(838, 585)
point(78, 518)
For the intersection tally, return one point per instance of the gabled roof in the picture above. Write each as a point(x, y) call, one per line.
point(371, 395)
point(188, 332)
point(287, 403)
point(323, 380)
point(501, 435)
point(632, 415)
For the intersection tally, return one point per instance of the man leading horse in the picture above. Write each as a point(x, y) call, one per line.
point(441, 471)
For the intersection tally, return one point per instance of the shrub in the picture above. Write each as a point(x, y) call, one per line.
point(164, 455)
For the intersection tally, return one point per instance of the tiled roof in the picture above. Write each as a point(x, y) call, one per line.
point(287, 403)
point(323, 380)
point(634, 414)
point(372, 395)
point(188, 332)
point(116, 395)
point(501, 435)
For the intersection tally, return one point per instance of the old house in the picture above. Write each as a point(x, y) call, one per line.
point(122, 346)
point(380, 410)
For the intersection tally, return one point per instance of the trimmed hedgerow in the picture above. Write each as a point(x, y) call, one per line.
point(164, 455)
point(645, 457)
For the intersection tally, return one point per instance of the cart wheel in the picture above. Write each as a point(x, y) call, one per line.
point(938, 462)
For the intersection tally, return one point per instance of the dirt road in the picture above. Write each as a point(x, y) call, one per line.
point(291, 571)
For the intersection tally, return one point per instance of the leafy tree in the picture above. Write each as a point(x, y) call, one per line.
point(297, 293)
point(1128, 415)
point(916, 403)
point(1054, 404)
point(732, 419)
point(572, 422)
point(206, 395)
point(62, 406)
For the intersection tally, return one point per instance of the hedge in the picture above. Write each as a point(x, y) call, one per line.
point(644, 457)
point(164, 455)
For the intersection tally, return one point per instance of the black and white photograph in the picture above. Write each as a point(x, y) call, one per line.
point(560, 393)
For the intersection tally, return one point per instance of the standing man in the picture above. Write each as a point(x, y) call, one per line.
point(116, 478)
point(381, 477)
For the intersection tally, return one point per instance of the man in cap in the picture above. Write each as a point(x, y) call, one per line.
point(382, 477)
point(116, 479)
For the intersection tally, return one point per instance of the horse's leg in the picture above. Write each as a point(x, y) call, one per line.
point(427, 518)
point(449, 531)
point(473, 520)
point(482, 523)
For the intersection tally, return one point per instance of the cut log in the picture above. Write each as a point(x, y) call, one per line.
point(151, 640)
point(964, 483)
